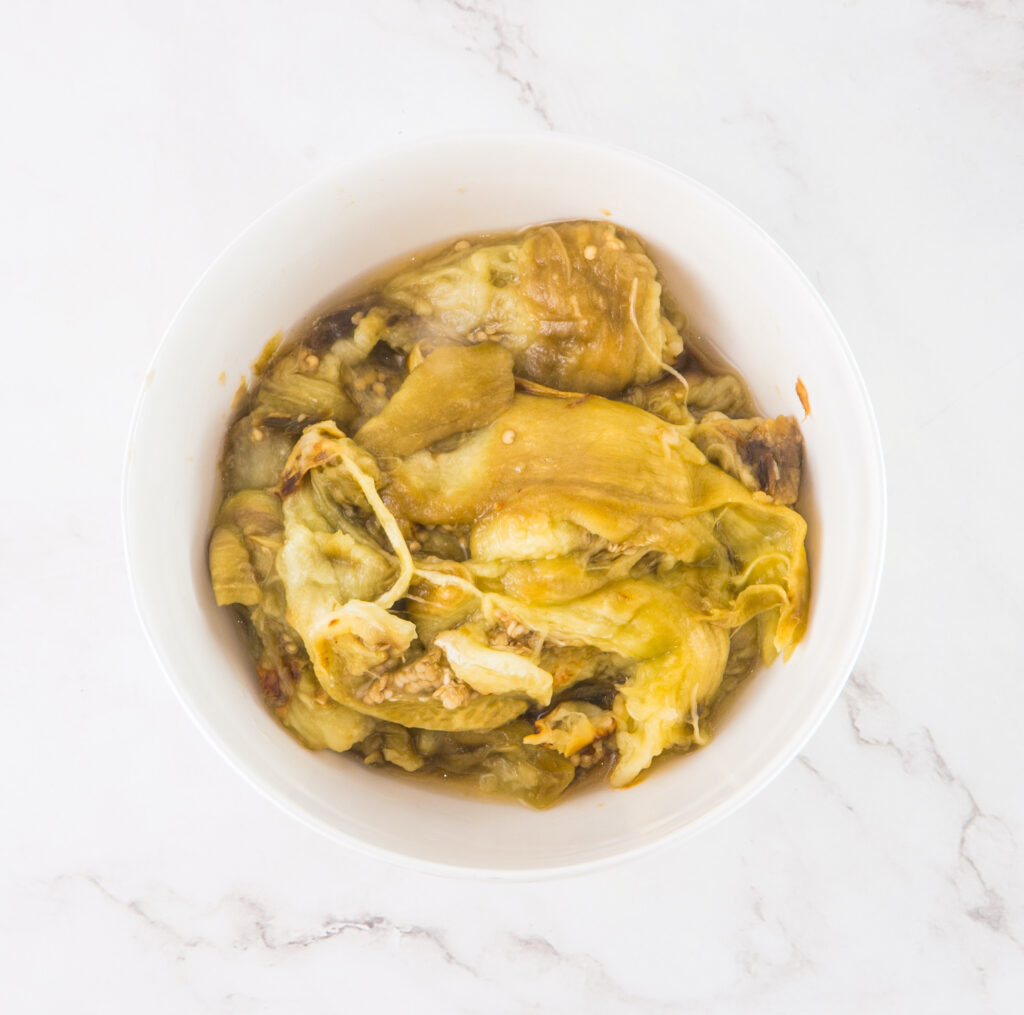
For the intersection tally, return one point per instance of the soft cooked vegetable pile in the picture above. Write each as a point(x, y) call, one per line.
point(492, 521)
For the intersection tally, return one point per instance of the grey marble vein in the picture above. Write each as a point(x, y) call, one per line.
point(992, 909)
point(980, 30)
point(593, 972)
point(829, 785)
point(139, 910)
point(974, 878)
point(865, 702)
point(754, 957)
point(254, 928)
point(257, 927)
point(1009, 10)
point(504, 45)
point(332, 926)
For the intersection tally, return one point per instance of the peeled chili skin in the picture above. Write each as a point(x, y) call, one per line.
point(764, 454)
point(331, 575)
point(658, 707)
point(231, 571)
point(595, 468)
point(320, 724)
point(598, 315)
point(481, 714)
point(245, 541)
point(434, 607)
point(253, 455)
point(594, 450)
point(577, 303)
point(300, 383)
point(456, 389)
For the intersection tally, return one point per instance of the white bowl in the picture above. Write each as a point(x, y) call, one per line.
point(738, 289)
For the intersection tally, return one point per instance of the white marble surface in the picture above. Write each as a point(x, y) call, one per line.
point(882, 143)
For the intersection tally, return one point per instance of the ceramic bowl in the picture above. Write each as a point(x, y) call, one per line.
point(740, 292)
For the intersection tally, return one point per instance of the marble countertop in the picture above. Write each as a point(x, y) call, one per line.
point(882, 144)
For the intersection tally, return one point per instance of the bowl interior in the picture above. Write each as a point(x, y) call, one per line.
point(739, 292)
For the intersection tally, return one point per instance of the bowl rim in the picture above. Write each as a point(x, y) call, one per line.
point(381, 155)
